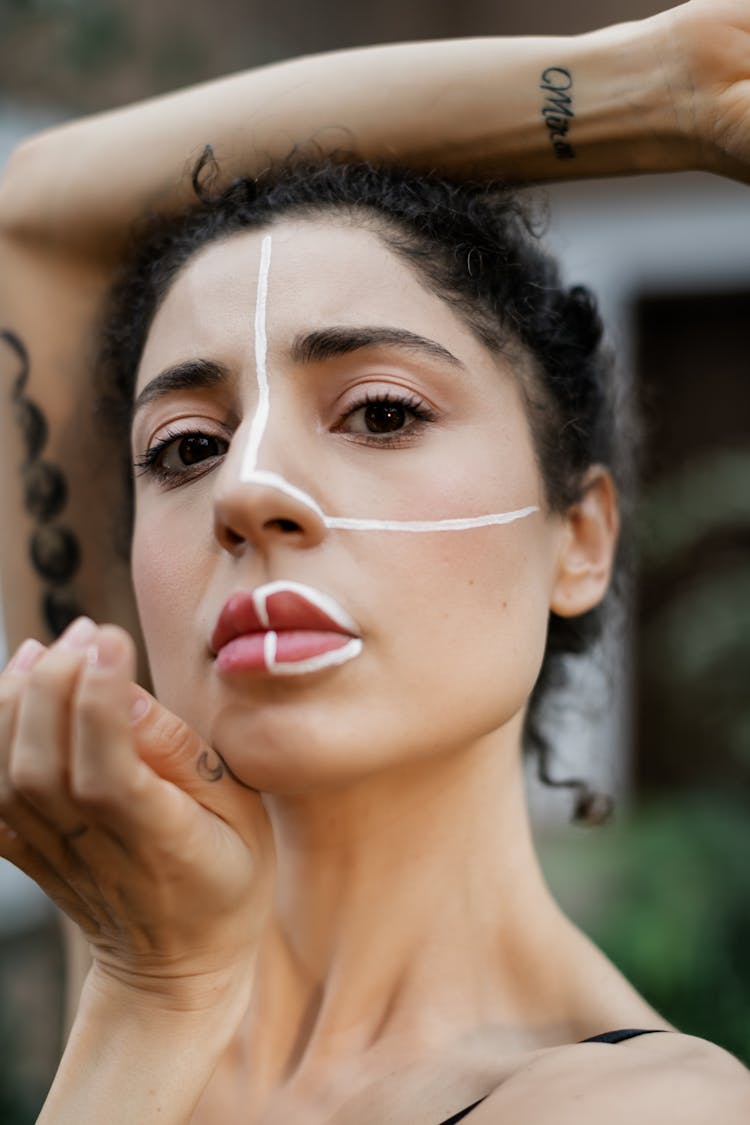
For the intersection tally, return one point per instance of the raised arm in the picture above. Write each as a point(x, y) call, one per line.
point(660, 94)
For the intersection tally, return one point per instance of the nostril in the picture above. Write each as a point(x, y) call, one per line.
point(233, 537)
point(283, 525)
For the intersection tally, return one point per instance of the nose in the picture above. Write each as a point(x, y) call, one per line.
point(264, 510)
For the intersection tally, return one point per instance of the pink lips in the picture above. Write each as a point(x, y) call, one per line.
point(283, 629)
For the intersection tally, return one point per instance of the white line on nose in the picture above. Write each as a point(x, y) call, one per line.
point(260, 418)
point(250, 473)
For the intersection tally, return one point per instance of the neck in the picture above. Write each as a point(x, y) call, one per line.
point(409, 909)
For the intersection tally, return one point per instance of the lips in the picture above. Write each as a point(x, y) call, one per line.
point(283, 628)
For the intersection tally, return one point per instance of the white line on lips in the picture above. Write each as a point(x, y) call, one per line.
point(324, 602)
point(284, 609)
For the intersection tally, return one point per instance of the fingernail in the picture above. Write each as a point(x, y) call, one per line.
point(106, 653)
point(139, 705)
point(80, 634)
point(26, 657)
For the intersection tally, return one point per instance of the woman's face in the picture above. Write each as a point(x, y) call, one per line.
point(321, 380)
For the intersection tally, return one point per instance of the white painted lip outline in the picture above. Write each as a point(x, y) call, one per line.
point(284, 628)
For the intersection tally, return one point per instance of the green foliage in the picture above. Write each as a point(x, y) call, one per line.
point(693, 537)
point(97, 37)
point(15, 1107)
point(671, 908)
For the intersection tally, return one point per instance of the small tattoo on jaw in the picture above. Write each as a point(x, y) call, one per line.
point(557, 83)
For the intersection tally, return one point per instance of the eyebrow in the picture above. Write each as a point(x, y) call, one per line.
point(307, 348)
point(327, 343)
point(190, 375)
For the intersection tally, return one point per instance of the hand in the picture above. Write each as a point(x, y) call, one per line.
point(706, 49)
point(165, 871)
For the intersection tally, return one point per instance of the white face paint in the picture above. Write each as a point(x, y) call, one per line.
point(251, 474)
point(327, 605)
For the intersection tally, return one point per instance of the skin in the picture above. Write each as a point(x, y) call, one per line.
point(477, 458)
point(358, 766)
point(668, 93)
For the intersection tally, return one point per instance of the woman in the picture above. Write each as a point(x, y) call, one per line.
point(305, 872)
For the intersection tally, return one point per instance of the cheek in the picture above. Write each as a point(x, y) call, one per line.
point(469, 611)
point(474, 472)
point(166, 582)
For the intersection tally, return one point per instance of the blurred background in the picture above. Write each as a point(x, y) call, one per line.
point(665, 888)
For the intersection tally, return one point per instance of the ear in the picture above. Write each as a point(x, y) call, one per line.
point(588, 544)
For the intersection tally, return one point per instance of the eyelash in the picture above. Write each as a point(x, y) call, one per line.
point(148, 464)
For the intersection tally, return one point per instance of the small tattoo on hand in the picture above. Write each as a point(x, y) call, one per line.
point(557, 83)
point(215, 771)
point(207, 771)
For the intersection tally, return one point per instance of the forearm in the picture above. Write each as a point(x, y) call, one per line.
point(473, 105)
point(135, 1062)
point(50, 302)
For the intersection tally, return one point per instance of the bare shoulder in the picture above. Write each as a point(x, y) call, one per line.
point(653, 1078)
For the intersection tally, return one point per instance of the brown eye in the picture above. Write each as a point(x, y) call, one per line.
point(193, 448)
point(384, 417)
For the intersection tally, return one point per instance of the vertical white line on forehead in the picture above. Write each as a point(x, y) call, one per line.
point(260, 418)
point(250, 473)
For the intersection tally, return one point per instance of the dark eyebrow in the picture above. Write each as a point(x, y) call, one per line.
point(190, 375)
point(308, 347)
point(327, 343)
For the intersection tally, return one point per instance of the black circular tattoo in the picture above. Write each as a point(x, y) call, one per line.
point(60, 608)
point(32, 425)
point(46, 491)
point(55, 554)
point(54, 550)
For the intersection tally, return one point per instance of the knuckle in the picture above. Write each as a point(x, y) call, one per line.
point(182, 741)
point(98, 704)
point(9, 692)
point(7, 794)
point(28, 780)
point(52, 673)
point(90, 704)
point(89, 789)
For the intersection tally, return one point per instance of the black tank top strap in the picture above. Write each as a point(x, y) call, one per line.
point(625, 1033)
point(461, 1114)
point(605, 1037)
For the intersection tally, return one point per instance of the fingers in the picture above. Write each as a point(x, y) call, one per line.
point(39, 765)
point(179, 756)
point(107, 777)
point(26, 838)
point(44, 777)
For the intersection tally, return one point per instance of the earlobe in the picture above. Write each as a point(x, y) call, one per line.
point(588, 545)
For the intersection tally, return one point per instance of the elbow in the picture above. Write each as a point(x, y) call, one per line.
point(25, 181)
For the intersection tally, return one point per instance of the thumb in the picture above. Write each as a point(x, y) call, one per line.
point(178, 754)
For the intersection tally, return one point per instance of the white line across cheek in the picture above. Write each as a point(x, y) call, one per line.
point(249, 473)
point(341, 523)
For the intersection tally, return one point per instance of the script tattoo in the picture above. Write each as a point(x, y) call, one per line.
point(557, 83)
point(53, 549)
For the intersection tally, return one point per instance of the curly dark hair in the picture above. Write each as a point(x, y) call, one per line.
point(476, 246)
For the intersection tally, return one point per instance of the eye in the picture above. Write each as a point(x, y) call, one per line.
point(191, 449)
point(385, 414)
point(177, 455)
